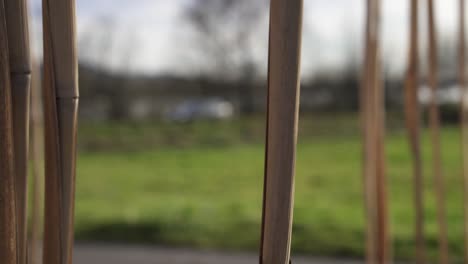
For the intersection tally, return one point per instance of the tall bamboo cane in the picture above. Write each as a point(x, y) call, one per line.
point(8, 246)
point(282, 120)
point(372, 116)
point(20, 75)
point(413, 127)
point(36, 164)
point(434, 123)
point(464, 117)
point(60, 117)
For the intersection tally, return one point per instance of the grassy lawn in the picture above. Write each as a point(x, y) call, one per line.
point(208, 194)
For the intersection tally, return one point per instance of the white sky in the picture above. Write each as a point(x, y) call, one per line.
point(331, 28)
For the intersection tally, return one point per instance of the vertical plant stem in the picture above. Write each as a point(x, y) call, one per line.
point(373, 124)
point(20, 74)
point(434, 123)
point(412, 115)
point(282, 121)
point(60, 120)
point(464, 119)
point(8, 242)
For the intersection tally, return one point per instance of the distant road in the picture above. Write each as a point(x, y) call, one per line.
point(125, 254)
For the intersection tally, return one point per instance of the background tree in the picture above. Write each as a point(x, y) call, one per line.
point(225, 33)
point(107, 52)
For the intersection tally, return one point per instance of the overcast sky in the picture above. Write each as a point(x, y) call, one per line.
point(331, 28)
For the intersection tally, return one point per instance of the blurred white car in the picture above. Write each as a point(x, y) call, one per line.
point(200, 109)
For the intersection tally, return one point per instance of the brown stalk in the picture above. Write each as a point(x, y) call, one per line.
point(412, 115)
point(373, 125)
point(434, 123)
point(464, 118)
point(60, 120)
point(36, 150)
point(8, 242)
point(20, 74)
point(282, 121)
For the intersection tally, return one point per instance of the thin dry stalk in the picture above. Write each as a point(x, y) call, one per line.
point(20, 74)
point(36, 151)
point(412, 115)
point(464, 118)
point(282, 121)
point(434, 123)
point(8, 250)
point(60, 120)
point(373, 124)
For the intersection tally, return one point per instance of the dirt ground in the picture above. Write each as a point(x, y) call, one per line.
point(124, 254)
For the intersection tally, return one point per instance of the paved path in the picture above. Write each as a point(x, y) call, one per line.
point(125, 254)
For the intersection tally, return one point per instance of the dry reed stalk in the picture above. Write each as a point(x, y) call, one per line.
point(60, 119)
point(8, 242)
point(412, 115)
point(20, 75)
point(282, 121)
point(464, 118)
point(36, 150)
point(373, 125)
point(434, 123)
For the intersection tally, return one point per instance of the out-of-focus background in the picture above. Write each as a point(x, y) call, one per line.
point(172, 128)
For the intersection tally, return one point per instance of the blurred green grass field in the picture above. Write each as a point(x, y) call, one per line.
point(201, 185)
